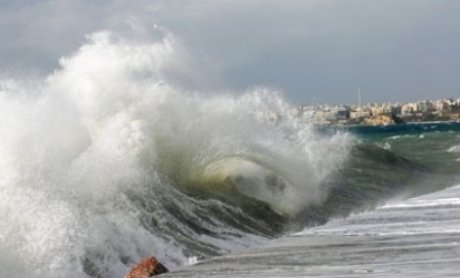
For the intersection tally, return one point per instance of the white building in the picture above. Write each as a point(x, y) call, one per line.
point(408, 108)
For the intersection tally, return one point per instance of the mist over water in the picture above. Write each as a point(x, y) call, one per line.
point(109, 159)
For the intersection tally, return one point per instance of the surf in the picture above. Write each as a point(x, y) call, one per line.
point(108, 159)
point(111, 158)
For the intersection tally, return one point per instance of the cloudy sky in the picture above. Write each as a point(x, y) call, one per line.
point(313, 50)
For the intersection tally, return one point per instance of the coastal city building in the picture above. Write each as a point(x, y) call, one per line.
point(383, 113)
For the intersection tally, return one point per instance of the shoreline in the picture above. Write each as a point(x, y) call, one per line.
point(389, 124)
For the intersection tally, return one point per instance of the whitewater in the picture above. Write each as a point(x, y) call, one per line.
point(111, 158)
point(106, 161)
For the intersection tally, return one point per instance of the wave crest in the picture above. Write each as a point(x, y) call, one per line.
point(107, 149)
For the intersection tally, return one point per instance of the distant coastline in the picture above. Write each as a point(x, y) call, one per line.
point(442, 110)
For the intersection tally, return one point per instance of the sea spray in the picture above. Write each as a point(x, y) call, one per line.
point(108, 160)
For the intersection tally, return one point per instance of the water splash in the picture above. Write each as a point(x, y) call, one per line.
point(100, 161)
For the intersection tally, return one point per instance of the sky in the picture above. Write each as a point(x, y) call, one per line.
point(314, 51)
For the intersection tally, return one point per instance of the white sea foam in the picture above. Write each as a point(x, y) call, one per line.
point(454, 149)
point(417, 202)
point(112, 122)
point(434, 213)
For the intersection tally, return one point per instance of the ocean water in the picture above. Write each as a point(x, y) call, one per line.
point(418, 237)
point(402, 236)
point(110, 159)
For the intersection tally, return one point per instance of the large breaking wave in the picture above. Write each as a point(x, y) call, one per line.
point(108, 160)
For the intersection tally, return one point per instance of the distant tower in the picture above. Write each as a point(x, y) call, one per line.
point(359, 97)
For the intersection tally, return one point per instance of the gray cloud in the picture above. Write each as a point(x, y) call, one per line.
point(313, 50)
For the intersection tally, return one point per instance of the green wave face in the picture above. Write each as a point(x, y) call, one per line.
point(256, 181)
